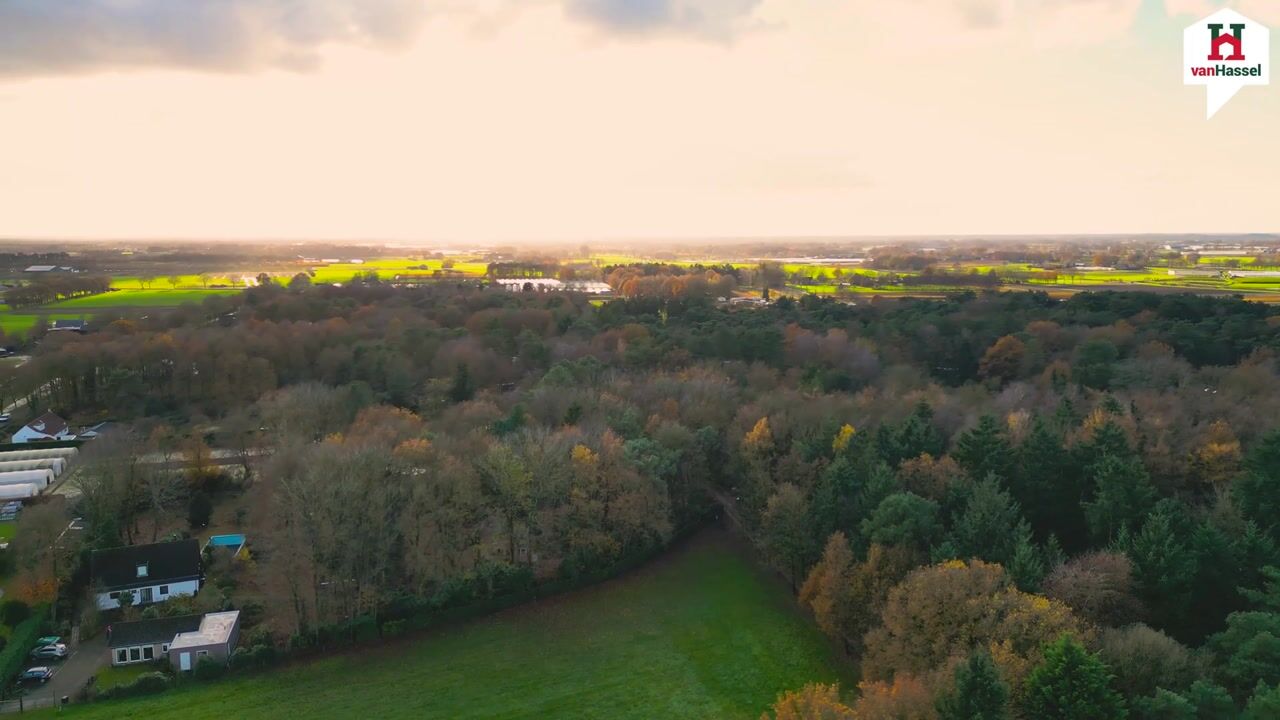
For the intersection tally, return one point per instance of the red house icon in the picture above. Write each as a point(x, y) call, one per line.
point(1235, 40)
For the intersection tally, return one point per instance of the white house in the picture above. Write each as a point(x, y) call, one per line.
point(146, 573)
point(46, 427)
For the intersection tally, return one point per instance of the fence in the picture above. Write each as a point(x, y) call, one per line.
point(24, 704)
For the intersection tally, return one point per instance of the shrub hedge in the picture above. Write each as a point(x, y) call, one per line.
point(13, 659)
point(145, 684)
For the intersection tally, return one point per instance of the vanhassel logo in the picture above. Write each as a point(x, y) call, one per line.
point(1224, 52)
point(1217, 40)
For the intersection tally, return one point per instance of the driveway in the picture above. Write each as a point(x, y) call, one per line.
point(71, 674)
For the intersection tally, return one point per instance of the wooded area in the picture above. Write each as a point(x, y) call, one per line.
point(995, 500)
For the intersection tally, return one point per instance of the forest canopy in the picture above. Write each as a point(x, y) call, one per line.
point(997, 500)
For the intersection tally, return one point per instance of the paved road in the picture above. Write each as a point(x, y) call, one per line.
point(71, 674)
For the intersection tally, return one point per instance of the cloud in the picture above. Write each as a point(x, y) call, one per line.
point(713, 19)
point(44, 37)
point(1041, 22)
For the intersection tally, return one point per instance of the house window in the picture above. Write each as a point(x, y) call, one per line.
point(148, 653)
point(135, 654)
point(164, 589)
point(201, 653)
point(164, 648)
point(122, 655)
point(114, 596)
point(147, 595)
point(142, 570)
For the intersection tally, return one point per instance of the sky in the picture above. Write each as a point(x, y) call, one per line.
point(456, 121)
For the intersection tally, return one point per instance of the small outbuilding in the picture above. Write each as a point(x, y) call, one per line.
point(214, 639)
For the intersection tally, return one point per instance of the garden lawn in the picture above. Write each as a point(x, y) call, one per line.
point(111, 675)
point(698, 634)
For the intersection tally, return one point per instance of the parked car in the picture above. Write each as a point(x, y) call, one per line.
point(39, 674)
point(5, 417)
point(50, 652)
point(48, 640)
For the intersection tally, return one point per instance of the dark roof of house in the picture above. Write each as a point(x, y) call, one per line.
point(151, 632)
point(48, 424)
point(117, 568)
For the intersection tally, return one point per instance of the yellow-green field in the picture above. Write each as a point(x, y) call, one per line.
point(388, 268)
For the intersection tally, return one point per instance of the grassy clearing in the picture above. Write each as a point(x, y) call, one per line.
point(699, 634)
point(7, 530)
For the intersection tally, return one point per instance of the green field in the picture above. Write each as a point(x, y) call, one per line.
point(699, 634)
point(154, 297)
point(11, 322)
point(388, 268)
point(21, 320)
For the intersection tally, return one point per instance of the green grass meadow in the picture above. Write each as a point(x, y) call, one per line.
point(700, 633)
point(20, 321)
point(154, 297)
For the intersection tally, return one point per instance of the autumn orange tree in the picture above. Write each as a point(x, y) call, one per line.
point(811, 702)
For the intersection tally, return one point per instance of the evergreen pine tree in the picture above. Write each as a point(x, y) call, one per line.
point(979, 692)
point(984, 451)
point(1122, 498)
point(1071, 684)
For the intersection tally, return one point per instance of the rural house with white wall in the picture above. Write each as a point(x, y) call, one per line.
point(151, 573)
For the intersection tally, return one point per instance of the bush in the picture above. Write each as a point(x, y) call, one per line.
point(22, 640)
point(13, 612)
point(393, 628)
point(199, 510)
point(257, 636)
point(257, 657)
point(209, 669)
point(265, 655)
point(147, 684)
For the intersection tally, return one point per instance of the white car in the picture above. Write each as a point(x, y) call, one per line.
point(50, 652)
point(36, 674)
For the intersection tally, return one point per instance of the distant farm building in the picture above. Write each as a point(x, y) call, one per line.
point(553, 285)
point(46, 427)
point(1253, 273)
point(78, 326)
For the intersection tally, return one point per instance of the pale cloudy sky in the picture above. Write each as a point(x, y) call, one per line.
point(484, 120)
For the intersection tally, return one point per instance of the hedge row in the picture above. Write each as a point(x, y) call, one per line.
point(145, 684)
point(14, 657)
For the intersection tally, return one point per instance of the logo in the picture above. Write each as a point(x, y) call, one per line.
point(1224, 52)
point(1217, 40)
